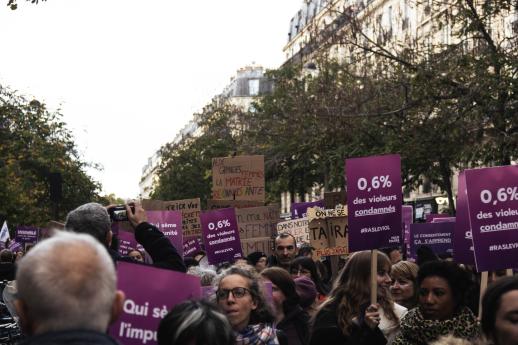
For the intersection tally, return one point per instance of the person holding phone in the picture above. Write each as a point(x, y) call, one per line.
point(347, 317)
point(94, 219)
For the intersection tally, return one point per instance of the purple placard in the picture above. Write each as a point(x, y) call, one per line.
point(15, 247)
point(431, 216)
point(444, 220)
point(170, 223)
point(127, 243)
point(374, 202)
point(493, 215)
point(299, 209)
point(191, 245)
point(221, 235)
point(27, 234)
point(462, 239)
point(407, 215)
point(437, 236)
point(148, 299)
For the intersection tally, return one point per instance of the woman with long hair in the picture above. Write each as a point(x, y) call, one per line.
point(239, 296)
point(348, 317)
point(305, 266)
point(290, 317)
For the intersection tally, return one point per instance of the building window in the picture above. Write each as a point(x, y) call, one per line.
point(253, 87)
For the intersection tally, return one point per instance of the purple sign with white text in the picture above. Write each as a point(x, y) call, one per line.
point(191, 245)
point(15, 247)
point(299, 209)
point(437, 236)
point(26, 234)
point(150, 293)
point(462, 239)
point(374, 202)
point(221, 235)
point(493, 215)
point(170, 224)
point(407, 214)
point(127, 243)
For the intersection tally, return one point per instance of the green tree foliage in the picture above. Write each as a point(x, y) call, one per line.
point(33, 143)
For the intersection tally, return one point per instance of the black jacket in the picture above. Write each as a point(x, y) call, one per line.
point(326, 331)
point(295, 326)
point(70, 338)
point(7, 271)
point(163, 253)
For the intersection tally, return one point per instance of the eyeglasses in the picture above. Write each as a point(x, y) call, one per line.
point(237, 292)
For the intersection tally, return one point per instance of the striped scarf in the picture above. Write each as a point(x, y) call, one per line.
point(260, 334)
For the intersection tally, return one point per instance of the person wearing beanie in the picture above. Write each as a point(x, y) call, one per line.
point(307, 291)
point(258, 260)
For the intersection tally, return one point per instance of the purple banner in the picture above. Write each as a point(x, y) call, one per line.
point(191, 245)
point(493, 215)
point(27, 234)
point(407, 214)
point(437, 236)
point(462, 239)
point(444, 220)
point(432, 216)
point(221, 236)
point(127, 243)
point(374, 202)
point(15, 247)
point(150, 293)
point(170, 223)
point(299, 209)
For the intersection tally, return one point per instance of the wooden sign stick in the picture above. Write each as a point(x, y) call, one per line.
point(483, 286)
point(374, 276)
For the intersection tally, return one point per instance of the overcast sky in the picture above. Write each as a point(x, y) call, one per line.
point(127, 74)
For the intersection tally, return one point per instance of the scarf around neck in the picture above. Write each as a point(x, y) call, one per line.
point(260, 334)
point(415, 329)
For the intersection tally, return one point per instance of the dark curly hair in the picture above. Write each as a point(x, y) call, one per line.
point(263, 313)
point(458, 279)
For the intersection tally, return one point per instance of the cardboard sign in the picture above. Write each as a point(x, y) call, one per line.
point(191, 245)
point(221, 236)
point(493, 215)
point(170, 224)
point(329, 236)
point(319, 213)
point(374, 202)
point(299, 209)
point(219, 204)
point(238, 178)
point(26, 235)
point(437, 236)
point(332, 199)
point(257, 227)
point(462, 238)
point(298, 228)
point(146, 304)
point(190, 209)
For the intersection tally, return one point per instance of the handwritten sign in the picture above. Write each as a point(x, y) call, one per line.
point(238, 178)
point(298, 228)
point(127, 243)
point(191, 245)
point(219, 204)
point(329, 236)
point(190, 209)
point(299, 209)
point(257, 224)
point(319, 213)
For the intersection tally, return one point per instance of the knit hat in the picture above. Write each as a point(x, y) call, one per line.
point(254, 257)
point(307, 291)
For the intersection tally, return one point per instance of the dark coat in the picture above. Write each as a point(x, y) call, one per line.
point(295, 326)
point(326, 331)
point(7, 271)
point(70, 338)
point(159, 247)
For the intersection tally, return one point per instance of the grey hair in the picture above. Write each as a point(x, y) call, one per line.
point(91, 218)
point(68, 282)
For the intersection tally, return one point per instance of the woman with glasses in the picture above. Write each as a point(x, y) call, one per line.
point(347, 317)
point(239, 296)
point(290, 317)
point(305, 266)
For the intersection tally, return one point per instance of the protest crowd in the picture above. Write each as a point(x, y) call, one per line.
point(79, 287)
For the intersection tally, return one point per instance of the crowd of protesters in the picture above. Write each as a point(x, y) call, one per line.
point(432, 301)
